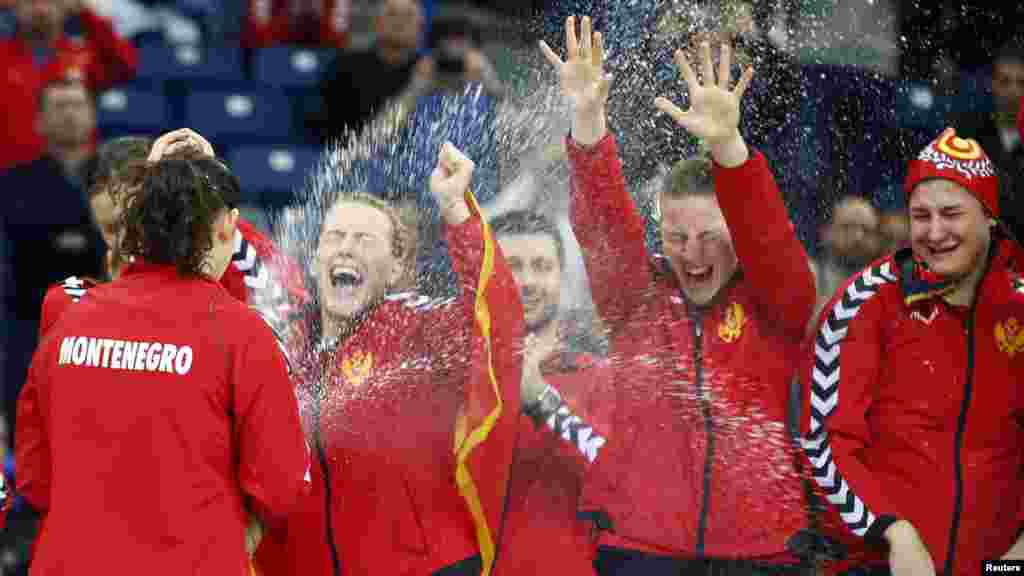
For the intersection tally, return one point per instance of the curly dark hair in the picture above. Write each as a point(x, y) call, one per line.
point(168, 216)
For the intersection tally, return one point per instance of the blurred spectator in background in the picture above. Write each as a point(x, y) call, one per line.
point(998, 135)
point(303, 22)
point(43, 50)
point(894, 230)
point(850, 241)
point(359, 83)
point(50, 231)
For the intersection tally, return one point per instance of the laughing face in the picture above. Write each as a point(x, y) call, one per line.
point(949, 230)
point(698, 244)
point(355, 260)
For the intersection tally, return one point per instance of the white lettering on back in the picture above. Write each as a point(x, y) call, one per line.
point(126, 355)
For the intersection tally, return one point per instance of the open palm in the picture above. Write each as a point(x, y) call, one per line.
point(714, 113)
point(581, 75)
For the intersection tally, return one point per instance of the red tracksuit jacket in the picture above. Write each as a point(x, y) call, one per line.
point(272, 22)
point(101, 57)
point(155, 414)
point(381, 407)
point(915, 412)
point(541, 533)
point(701, 464)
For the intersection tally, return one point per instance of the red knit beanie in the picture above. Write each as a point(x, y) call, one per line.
point(962, 161)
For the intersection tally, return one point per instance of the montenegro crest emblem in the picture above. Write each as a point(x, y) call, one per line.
point(1009, 337)
point(731, 327)
point(356, 367)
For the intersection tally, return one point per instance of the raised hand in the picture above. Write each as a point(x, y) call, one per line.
point(182, 141)
point(714, 114)
point(582, 78)
point(449, 183)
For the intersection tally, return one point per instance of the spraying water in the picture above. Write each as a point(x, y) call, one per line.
point(518, 147)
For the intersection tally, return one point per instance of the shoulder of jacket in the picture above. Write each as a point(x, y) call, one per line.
point(75, 287)
point(880, 278)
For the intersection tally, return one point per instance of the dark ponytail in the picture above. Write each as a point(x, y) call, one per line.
point(168, 217)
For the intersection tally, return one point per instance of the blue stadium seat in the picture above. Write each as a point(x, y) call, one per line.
point(921, 106)
point(239, 117)
point(289, 67)
point(123, 110)
point(270, 174)
point(159, 61)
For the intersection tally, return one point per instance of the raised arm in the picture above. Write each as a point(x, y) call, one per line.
point(605, 219)
point(771, 256)
point(487, 422)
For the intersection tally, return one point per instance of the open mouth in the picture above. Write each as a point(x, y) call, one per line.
point(699, 273)
point(345, 277)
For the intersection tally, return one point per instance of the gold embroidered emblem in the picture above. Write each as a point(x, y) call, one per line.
point(1009, 337)
point(356, 367)
point(731, 327)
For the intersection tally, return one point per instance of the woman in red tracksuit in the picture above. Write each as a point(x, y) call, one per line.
point(699, 471)
point(393, 387)
point(914, 432)
point(158, 413)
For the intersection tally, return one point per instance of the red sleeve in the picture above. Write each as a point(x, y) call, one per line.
point(259, 30)
point(117, 60)
point(836, 432)
point(279, 276)
point(274, 459)
point(484, 435)
point(609, 229)
point(583, 423)
point(771, 257)
point(31, 436)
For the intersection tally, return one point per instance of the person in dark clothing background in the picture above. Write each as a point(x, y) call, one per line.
point(50, 230)
point(357, 83)
point(998, 135)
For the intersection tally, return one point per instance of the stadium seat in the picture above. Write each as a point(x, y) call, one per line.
point(270, 174)
point(122, 110)
point(289, 67)
point(921, 106)
point(159, 62)
point(240, 117)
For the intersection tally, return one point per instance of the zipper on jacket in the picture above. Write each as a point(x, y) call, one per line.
point(325, 470)
point(705, 404)
point(961, 423)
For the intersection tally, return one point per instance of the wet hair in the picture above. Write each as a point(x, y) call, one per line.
point(522, 222)
point(398, 235)
point(169, 215)
point(690, 177)
point(221, 178)
point(114, 157)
